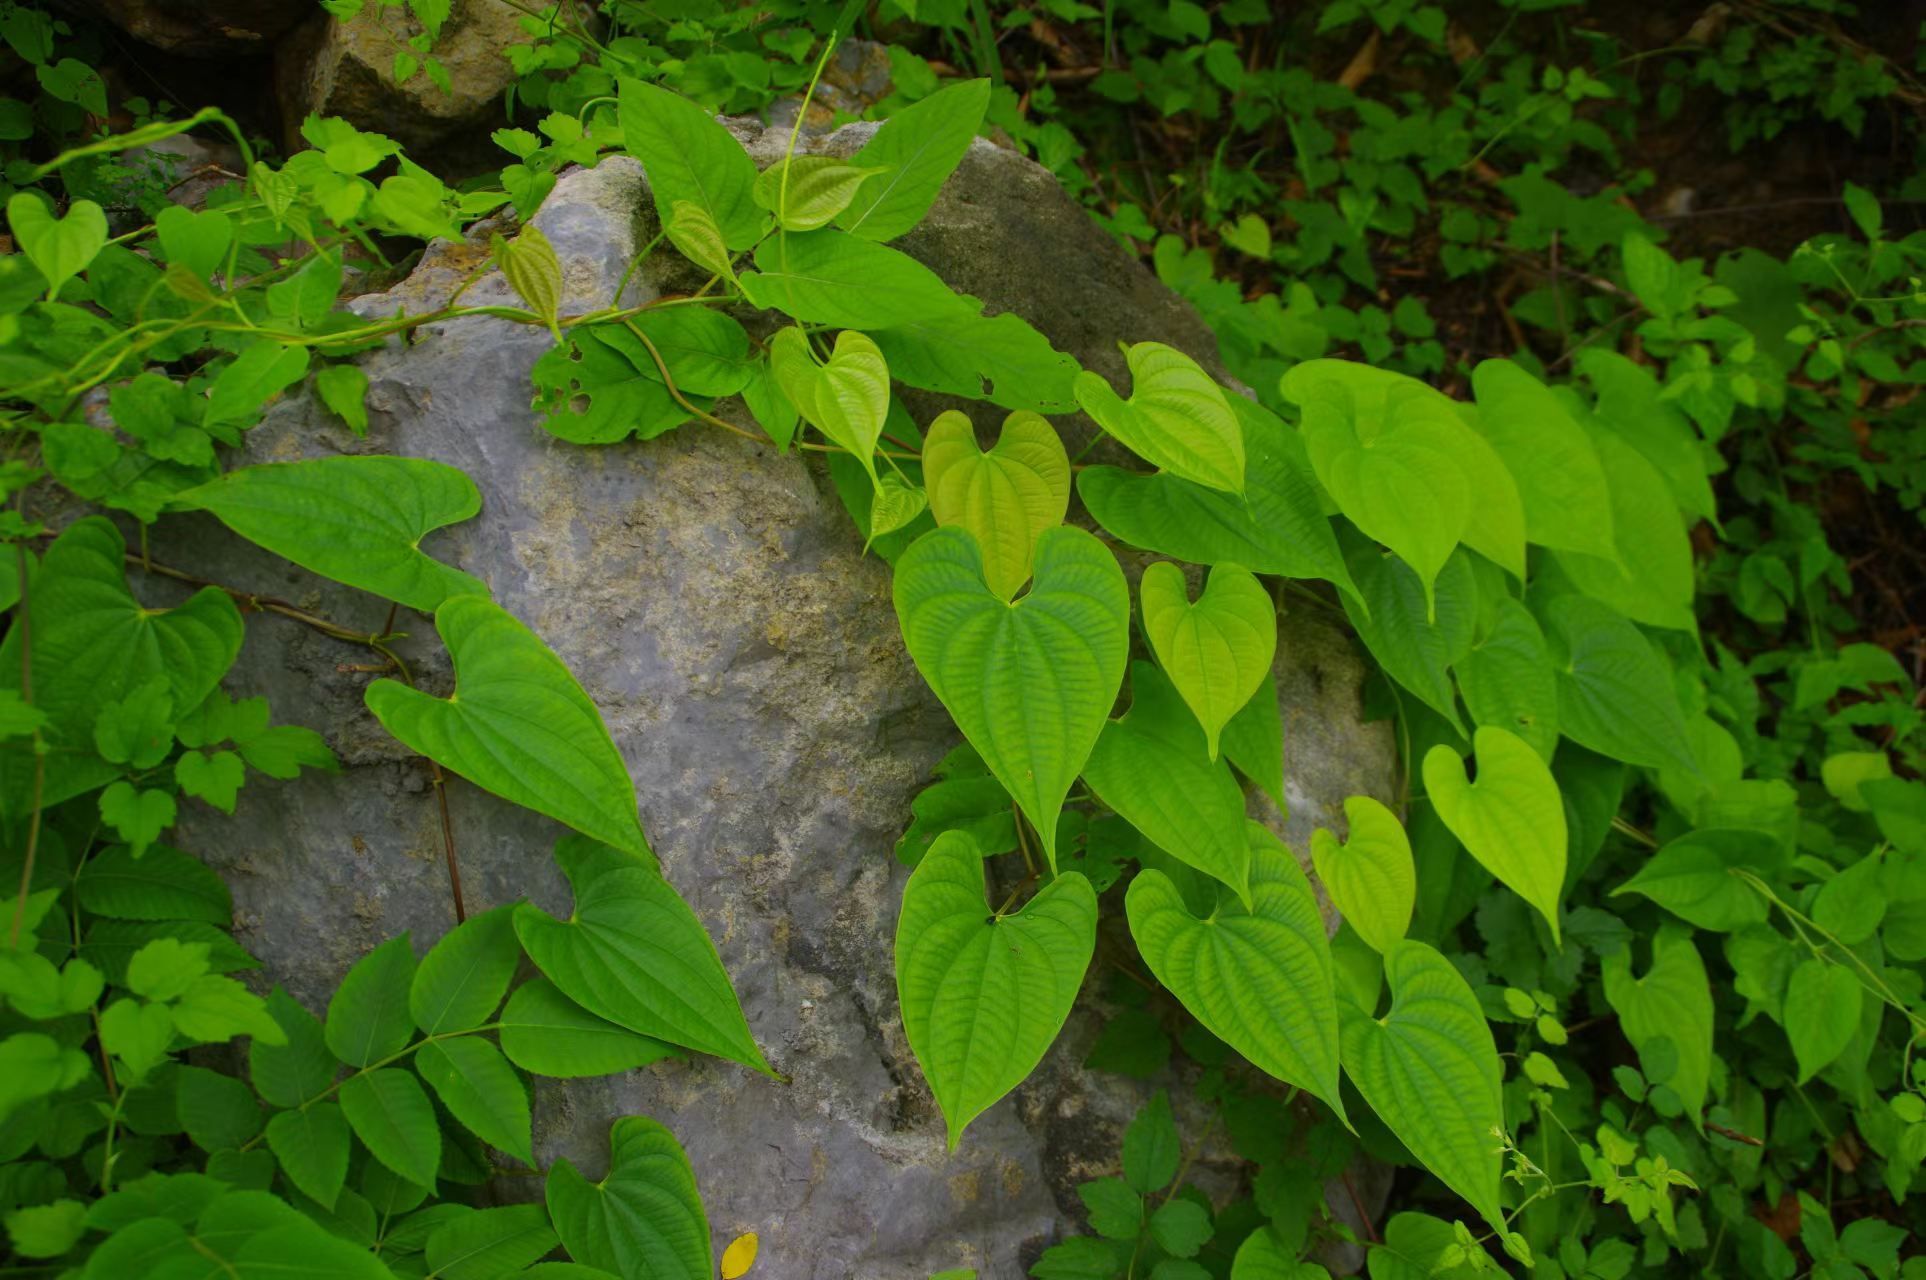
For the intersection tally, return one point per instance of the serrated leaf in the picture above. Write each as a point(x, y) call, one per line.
point(632, 952)
point(392, 1116)
point(1561, 482)
point(161, 884)
point(517, 725)
point(1511, 819)
point(983, 996)
point(917, 148)
point(368, 1015)
point(1216, 651)
point(215, 778)
point(1177, 418)
point(690, 157)
point(644, 1218)
point(358, 520)
point(544, 1032)
point(1371, 877)
point(1615, 695)
point(311, 1144)
point(1429, 1068)
point(1152, 768)
point(847, 398)
point(1260, 979)
point(481, 1090)
point(1508, 682)
point(1671, 1003)
point(1006, 498)
point(1029, 682)
point(464, 976)
point(807, 192)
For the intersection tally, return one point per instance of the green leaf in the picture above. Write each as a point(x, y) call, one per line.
point(1415, 647)
point(1152, 768)
point(1508, 681)
point(197, 241)
point(1370, 877)
point(998, 358)
point(60, 249)
point(544, 1032)
point(1116, 1212)
point(1429, 1068)
point(218, 1111)
point(644, 1218)
point(46, 1230)
point(312, 1145)
point(356, 519)
point(894, 506)
point(1651, 578)
point(291, 1074)
point(343, 388)
point(707, 353)
point(917, 148)
point(1261, 1257)
point(1566, 496)
point(1511, 819)
point(1821, 1013)
point(368, 1015)
point(1177, 418)
point(1279, 527)
point(832, 278)
point(162, 884)
point(261, 372)
point(529, 264)
point(1667, 1013)
point(1253, 740)
point(1260, 979)
point(393, 1118)
point(692, 229)
point(1693, 877)
point(1152, 1150)
point(1031, 682)
point(517, 725)
point(214, 778)
point(847, 399)
point(490, 1243)
point(690, 157)
point(1180, 1227)
point(1006, 498)
point(633, 952)
point(807, 192)
point(463, 977)
point(306, 297)
point(983, 996)
point(600, 385)
point(481, 1090)
point(1615, 695)
point(1216, 651)
point(137, 816)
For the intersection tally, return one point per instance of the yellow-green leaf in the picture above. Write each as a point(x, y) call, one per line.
point(1371, 877)
point(1177, 418)
point(1006, 497)
point(1511, 819)
point(846, 399)
point(529, 264)
point(1216, 651)
point(693, 230)
point(807, 192)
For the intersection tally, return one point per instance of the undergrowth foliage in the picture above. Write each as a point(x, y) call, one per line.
point(1631, 963)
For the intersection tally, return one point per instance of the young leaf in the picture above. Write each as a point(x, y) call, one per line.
point(917, 148)
point(368, 1014)
point(894, 505)
point(1429, 1068)
point(196, 240)
point(1259, 979)
point(692, 229)
point(356, 519)
point(1216, 651)
point(983, 996)
point(806, 192)
point(1006, 498)
point(1670, 1007)
point(846, 399)
point(61, 248)
point(688, 156)
point(1030, 682)
point(1511, 819)
point(633, 952)
point(463, 977)
point(830, 277)
point(1615, 695)
point(1152, 768)
point(1177, 418)
point(644, 1218)
point(312, 1144)
point(481, 1090)
point(544, 1032)
point(1370, 877)
point(1562, 484)
point(393, 1118)
point(344, 389)
point(1508, 681)
point(529, 264)
point(518, 725)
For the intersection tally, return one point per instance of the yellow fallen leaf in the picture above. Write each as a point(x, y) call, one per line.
point(739, 1256)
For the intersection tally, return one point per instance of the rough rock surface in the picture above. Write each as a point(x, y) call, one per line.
point(204, 28)
point(714, 601)
point(345, 68)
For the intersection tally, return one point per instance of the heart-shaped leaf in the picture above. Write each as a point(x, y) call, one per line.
point(984, 995)
point(1415, 647)
point(1177, 418)
point(1005, 497)
point(197, 241)
point(1217, 651)
point(1152, 768)
point(1511, 819)
point(1508, 680)
point(1560, 481)
point(644, 1218)
point(1260, 979)
point(517, 725)
point(806, 192)
point(1029, 682)
point(1370, 877)
point(60, 248)
point(1429, 1068)
point(358, 520)
point(846, 399)
point(1667, 1013)
point(1615, 695)
point(893, 506)
point(1822, 1009)
point(632, 952)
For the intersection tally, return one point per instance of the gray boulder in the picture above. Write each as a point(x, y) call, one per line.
point(714, 600)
